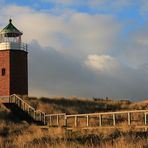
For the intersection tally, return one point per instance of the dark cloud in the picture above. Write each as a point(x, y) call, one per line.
point(53, 73)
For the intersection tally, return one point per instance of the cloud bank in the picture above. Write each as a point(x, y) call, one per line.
point(82, 54)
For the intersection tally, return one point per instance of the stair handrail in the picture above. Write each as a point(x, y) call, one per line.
point(43, 115)
point(23, 101)
point(60, 114)
point(29, 106)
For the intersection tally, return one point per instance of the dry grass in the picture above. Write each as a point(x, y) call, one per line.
point(73, 105)
point(24, 135)
point(18, 134)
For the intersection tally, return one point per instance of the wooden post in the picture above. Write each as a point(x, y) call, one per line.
point(65, 120)
point(114, 119)
point(145, 118)
point(87, 120)
point(28, 109)
point(34, 115)
point(20, 104)
point(24, 107)
point(76, 121)
point(14, 99)
point(9, 99)
point(50, 122)
point(40, 116)
point(129, 118)
point(100, 120)
point(57, 120)
point(44, 119)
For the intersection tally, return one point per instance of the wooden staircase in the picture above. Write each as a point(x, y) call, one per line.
point(25, 111)
point(119, 119)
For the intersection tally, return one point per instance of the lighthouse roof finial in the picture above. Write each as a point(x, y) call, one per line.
point(10, 20)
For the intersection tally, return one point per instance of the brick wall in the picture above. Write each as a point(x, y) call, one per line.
point(16, 79)
point(5, 80)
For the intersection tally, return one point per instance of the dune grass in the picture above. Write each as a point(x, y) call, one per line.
point(15, 133)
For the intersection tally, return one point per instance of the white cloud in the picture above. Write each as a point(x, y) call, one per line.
point(78, 34)
point(102, 63)
point(92, 34)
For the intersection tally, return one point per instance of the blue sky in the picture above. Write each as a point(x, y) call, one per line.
point(129, 12)
point(90, 48)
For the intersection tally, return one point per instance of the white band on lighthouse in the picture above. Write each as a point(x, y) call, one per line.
point(13, 46)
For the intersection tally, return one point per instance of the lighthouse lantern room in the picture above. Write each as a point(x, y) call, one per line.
point(13, 62)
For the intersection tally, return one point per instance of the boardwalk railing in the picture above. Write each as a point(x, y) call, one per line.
point(56, 119)
point(129, 118)
point(92, 120)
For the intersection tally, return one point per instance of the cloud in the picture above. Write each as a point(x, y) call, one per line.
point(53, 73)
point(78, 34)
point(81, 54)
point(136, 50)
point(103, 63)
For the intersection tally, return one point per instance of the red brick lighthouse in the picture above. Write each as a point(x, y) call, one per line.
point(13, 62)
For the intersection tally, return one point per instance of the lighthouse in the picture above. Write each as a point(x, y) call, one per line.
point(13, 62)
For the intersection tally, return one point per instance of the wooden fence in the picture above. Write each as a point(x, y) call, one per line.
point(129, 118)
point(106, 119)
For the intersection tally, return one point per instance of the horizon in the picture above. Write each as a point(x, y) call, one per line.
point(86, 48)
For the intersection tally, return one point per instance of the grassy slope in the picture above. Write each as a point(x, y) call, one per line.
point(16, 133)
point(74, 105)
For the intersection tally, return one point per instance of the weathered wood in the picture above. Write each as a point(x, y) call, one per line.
point(87, 120)
point(145, 118)
point(76, 121)
point(34, 115)
point(50, 121)
point(129, 118)
point(41, 116)
point(114, 119)
point(65, 120)
point(60, 114)
point(57, 120)
point(100, 120)
point(109, 113)
point(44, 119)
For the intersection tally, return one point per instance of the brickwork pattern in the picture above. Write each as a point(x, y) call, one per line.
point(5, 80)
point(16, 79)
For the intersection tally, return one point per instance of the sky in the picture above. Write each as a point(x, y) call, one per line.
point(86, 48)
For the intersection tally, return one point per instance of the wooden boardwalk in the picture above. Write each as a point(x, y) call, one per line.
point(119, 119)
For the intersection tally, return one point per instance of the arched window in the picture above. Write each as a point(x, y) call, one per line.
point(3, 72)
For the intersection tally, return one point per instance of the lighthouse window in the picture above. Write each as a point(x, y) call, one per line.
point(3, 71)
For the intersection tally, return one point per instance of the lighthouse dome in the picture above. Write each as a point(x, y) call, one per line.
point(10, 30)
point(10, 38)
